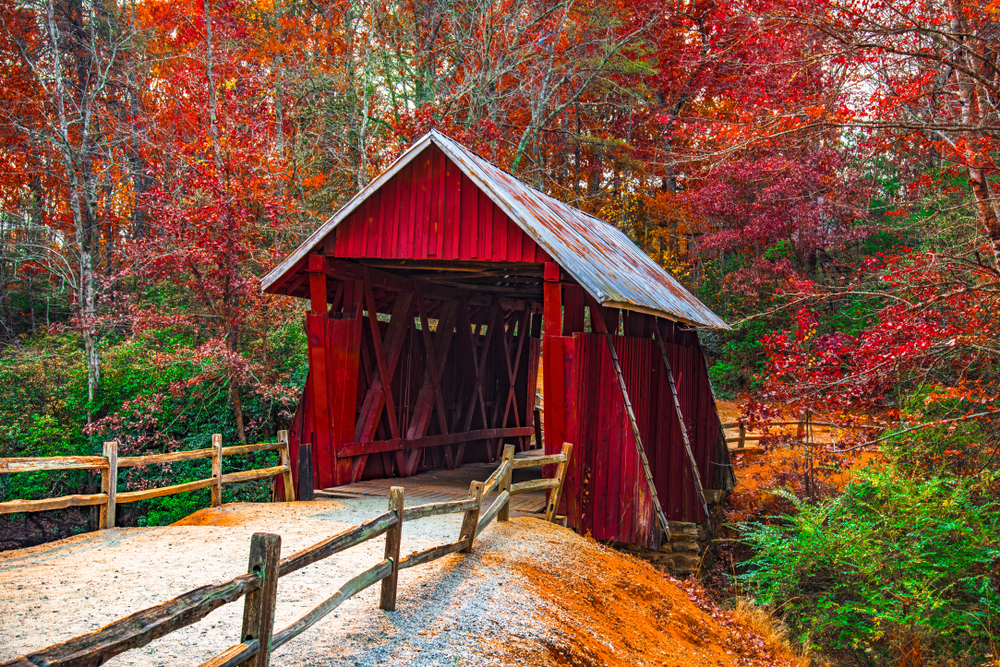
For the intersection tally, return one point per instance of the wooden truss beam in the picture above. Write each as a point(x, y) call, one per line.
point(364, 448)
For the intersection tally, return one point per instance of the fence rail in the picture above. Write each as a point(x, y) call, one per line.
point(804, 422)
point(109, 464)
point(259, 586)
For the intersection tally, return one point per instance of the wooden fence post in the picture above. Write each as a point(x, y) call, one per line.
point(109, 485)
point(538, 428)
point(305, 471)
point(258, 609)
point(743, 436)
point(508, 458)
point(217, 469)
point(392, 538)
point(550, 512)
point(472, 516)
point(286, 460)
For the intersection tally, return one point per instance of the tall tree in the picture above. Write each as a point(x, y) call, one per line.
point(74, 53)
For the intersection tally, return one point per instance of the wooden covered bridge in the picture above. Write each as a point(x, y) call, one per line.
point(435, 294)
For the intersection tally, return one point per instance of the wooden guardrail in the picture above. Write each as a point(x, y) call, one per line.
point(801, 424)
point(109, 464)
point(258, 586)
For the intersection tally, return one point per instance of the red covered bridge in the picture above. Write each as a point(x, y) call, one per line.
point(436, 292)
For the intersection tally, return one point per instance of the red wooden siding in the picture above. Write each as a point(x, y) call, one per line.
point(431, 210)
point(606, 492)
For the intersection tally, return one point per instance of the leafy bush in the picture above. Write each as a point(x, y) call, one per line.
point(160, 391)
point(895, 563)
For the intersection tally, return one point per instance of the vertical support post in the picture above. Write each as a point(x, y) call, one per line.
point(109, 485)
point(258, 609)
point(387, 601)
point(305, 471)
point(508, 460)
point(538, 427)
point(471, 519)
point(286, 461)
point(743, 436)
point(553, 379)
point(550, 511)
point(216, 469)
point(552, 301)
point(319, 364)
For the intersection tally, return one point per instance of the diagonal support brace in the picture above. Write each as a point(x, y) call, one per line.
point(660, 516)
point(684, 432)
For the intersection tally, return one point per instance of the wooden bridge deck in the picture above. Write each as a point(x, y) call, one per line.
point(443, 485)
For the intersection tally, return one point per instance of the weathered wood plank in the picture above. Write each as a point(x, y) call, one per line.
point(287, 482)
point(19, 662)
point(136, 496)
point(435, 509)
point(142, 627)
point(533, 461)
point(216, 469)
point(233, 655)
point(109, 485)
point(158, 459)
point(62, 502)
point(553, 502)
point(428, 555)
point(471, 518)
point(505, 481)
point(351, 588)
point(533, 485)
point(487, 518)
point(34, 464)
point(395, 444)
point(249, 449)
point(495, 479)
point(387, 599)
point(250, 475)
point(258, 607)
point(332, 545)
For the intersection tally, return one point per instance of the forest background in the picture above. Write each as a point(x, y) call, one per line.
point(821, 173)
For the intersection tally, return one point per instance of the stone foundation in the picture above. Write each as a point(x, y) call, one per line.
point(689, 551)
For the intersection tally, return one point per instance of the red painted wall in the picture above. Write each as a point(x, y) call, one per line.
point(606, 493)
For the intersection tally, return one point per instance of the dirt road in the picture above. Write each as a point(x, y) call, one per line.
point(531, 593)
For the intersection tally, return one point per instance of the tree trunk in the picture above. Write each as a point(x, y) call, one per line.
point(968, 94)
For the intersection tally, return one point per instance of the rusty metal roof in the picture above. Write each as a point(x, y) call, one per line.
point(597, 255)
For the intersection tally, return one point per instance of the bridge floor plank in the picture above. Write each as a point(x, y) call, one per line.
point(445, 485)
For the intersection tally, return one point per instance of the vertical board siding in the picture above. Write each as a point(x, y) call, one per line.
point(344, 344)
point(431, 210)
point(606, 491)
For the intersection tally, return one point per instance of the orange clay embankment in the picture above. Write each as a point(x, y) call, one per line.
point(607, 608)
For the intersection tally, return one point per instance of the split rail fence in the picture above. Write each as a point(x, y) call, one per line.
point(803, 427)
point(258, 586)
point(109, 464)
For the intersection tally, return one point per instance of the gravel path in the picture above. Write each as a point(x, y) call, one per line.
point(459, 610)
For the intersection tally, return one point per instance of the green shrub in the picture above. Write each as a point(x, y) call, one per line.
point(894, 561)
